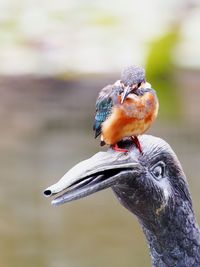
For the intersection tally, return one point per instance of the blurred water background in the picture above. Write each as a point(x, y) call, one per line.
point(54, 58)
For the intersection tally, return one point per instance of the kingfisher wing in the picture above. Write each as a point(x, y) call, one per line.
point(104, 106)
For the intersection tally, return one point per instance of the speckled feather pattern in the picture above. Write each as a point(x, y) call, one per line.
point(152, 186)
point(104, 104)
point(132, 118)
point(108, 97)
point(132, 75)
point(173, 234)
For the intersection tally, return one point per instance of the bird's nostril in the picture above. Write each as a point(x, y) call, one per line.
point(47, 193)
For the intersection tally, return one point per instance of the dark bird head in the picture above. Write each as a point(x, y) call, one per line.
point(152, 186)
point(145, 183)
point(131, 78)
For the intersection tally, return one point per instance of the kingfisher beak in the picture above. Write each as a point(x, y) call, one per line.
point(103, 170)
point(126, 92)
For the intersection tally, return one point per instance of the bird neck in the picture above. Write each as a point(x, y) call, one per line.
point(174, 239)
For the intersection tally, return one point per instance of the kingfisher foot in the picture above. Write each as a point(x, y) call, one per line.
point(102, 143)
point(116, 148)
point(137, 143)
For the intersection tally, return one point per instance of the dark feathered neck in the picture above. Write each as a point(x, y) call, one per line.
point(167, 216)
point(174, 237)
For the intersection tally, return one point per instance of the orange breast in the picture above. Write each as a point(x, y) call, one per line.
point(131, 118)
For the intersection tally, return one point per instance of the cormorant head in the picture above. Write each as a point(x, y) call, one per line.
point(151, 185)
point(131, 77)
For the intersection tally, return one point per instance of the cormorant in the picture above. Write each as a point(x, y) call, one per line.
point(152, 186)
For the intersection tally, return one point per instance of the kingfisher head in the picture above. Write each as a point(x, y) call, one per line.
point(132, 77)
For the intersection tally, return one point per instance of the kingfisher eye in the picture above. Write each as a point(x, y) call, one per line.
point(158, 171)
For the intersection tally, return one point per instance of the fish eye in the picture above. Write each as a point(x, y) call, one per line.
point(158, 171)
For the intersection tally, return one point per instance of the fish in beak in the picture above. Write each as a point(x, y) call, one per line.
point(103, 170)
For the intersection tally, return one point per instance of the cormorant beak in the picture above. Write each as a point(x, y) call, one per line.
point(101, 171)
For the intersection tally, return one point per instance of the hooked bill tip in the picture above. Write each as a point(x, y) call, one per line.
point(47, 193)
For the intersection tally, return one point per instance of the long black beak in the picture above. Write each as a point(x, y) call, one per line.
point(101, 171)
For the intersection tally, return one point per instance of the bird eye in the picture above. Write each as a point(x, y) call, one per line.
point(158, 171)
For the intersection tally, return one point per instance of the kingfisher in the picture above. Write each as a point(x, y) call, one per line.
point(126, 108)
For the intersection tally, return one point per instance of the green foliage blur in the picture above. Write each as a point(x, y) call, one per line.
point(160, 69)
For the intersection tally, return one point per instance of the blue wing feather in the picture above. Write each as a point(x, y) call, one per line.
point(104, 105)
point(103, 110)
